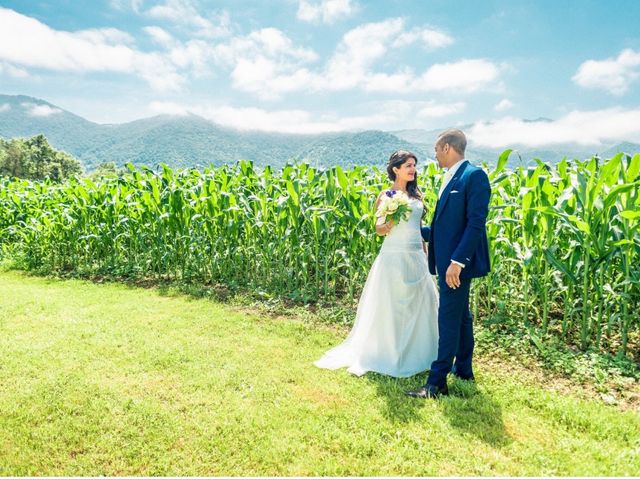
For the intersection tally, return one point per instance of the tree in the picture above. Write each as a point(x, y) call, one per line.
point(35, 159)
point(14, 160)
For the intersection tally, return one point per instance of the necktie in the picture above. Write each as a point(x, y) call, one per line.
point(445, 181)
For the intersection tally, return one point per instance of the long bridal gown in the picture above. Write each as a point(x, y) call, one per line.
point(396, 327)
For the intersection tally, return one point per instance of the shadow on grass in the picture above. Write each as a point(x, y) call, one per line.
point(398, 407)
point(467, 408)
point(474, 411)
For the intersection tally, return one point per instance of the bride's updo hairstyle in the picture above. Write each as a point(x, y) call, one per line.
point(398, 158)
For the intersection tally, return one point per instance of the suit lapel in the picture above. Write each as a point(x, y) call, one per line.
point(445, 195)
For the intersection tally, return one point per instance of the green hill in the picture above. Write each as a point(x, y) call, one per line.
point(184, 141)
point(190, 140)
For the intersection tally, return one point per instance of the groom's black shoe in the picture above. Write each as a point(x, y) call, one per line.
point(429, 391)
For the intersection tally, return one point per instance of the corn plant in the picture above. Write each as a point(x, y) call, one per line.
point(564, 239)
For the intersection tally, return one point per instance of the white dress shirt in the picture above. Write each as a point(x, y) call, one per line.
point(447, 178)
point(449, 175)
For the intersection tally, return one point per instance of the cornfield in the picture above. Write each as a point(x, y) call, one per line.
point(564, 239)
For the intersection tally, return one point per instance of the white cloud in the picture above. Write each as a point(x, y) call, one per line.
point(383, 82)
point(41, 110)
point(594, 128)
point(251, 118)
point(435, 39)
point(26, 41)
point(582, 127)
point(195, 54)
point(135, 5)
point(266, 62)
point(326, 11)
point(292, 121)
point(614, 75)
point(464, 76)
point(168, 108)
point(266, 42)
point(387, 115)
point(12, 70)
point(361, 47)
point(160, 36)
point(268, 79)
point(159, 73)
point(502, 105)
point(467, 75)
point(104, 36)
point(183, 12)
point(5, 107)
point(358, 50)
point(429, 37)
point(441, 110)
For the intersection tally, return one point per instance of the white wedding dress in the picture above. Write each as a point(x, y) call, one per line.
point(396, 327)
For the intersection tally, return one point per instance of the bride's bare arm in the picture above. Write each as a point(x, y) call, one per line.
point(382, 229)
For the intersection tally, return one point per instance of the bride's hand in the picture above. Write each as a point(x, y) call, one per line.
point(384, 228)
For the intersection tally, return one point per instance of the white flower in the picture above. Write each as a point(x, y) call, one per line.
point(390, 204)
point(392, 207)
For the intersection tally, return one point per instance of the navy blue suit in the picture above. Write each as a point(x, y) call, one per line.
point(458, 232)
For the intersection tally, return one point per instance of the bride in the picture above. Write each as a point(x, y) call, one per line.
point(396, 327)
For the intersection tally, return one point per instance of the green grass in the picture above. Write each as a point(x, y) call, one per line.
point(112, 380)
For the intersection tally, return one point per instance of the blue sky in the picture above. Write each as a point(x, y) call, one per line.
point(311, 66)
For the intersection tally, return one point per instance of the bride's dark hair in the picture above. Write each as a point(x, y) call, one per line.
point(398, 158)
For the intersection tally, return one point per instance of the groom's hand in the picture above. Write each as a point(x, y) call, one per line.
point(453, 275)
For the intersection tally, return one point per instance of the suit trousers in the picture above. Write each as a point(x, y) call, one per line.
point(455, 326)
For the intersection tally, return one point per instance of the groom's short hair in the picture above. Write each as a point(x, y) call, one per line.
point(455, 138)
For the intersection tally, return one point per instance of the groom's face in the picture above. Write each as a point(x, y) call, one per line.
point(441, 150)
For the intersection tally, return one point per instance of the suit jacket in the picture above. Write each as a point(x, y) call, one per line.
point(458, 229)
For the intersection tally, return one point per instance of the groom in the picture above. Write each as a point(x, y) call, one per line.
point(458, 252)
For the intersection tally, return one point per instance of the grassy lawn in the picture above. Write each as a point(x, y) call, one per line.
point(111, 380)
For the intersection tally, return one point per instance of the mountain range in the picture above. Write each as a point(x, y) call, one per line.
point(192, 141)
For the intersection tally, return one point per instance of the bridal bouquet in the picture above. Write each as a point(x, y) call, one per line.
point(394, 206)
